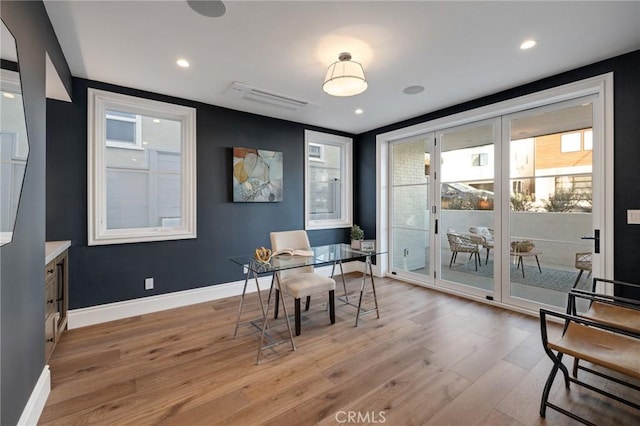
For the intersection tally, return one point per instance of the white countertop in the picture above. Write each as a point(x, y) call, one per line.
point(53, 248)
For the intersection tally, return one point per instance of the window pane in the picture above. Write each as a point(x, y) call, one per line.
point(324, 182)
point(121, 127)
point(121, 131)
point(325, 200)
point(570, 142)
point(144, 185)
point(588, 140)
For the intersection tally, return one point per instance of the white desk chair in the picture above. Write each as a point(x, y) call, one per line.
point(300, 282)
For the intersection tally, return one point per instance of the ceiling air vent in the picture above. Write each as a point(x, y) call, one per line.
point(255, 94)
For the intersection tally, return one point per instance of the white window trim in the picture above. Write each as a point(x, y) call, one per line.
point(346, 220)
point(99, 102)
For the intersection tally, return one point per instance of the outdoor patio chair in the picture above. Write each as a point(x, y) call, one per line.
point(465, 243)
point(583, 263)
point(487, 238)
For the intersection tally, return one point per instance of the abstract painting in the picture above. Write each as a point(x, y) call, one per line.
point(257, 175)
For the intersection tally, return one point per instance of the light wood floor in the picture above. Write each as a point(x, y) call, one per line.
point(430, 359)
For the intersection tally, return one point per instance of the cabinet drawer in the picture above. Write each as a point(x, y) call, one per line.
point(50, 271)
point(49, 335)
point(50, 298)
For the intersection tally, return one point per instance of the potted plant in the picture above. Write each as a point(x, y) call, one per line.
point(357, 235)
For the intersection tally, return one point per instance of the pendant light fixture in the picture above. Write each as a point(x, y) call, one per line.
point(345, 77)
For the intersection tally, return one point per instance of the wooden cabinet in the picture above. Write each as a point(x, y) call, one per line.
point(56, 300)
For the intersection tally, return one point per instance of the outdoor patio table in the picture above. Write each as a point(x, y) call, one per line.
point(518, 255)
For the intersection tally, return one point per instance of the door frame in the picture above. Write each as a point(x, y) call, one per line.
point(601, 85)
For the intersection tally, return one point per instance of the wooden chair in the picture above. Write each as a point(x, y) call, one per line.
point(465, 243)
point(300, 282)
point(610, 310)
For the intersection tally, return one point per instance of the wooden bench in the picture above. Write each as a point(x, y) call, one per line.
point(603, 345)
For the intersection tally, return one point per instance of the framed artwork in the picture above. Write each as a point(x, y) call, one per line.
point(368, 245)
point(257, 175)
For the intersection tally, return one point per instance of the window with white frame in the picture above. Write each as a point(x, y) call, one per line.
point(124, 130)
point(142, 170)
point(328, 177)
point(571, 142)
point(478, 160)
point(316, 152)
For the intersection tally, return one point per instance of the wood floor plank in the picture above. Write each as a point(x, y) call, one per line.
point(79, 403)
point(479, 362)
point(431, 358)
point(326, 404)
point(477, 401)
point(411, 397)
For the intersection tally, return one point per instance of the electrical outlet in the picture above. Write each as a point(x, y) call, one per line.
point(633, 217)
point(148, 283)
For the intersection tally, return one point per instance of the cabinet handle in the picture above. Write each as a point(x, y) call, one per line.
point(50, 301)
point(50, 339)
point(49, 271)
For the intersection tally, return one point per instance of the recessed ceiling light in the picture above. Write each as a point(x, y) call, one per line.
point(8, 95)
point(182, 63)
point(145, 143)
point(528, 44)
point(155, 120)
point(359, 111)
point(210, 8)
point(413, 90)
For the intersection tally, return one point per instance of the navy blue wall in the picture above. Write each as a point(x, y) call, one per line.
point(626, 69)
point(104, 274)
point(22, 261)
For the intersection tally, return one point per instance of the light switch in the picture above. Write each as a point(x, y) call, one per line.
point(633, 217)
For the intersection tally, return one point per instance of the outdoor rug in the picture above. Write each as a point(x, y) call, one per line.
point(552, 279)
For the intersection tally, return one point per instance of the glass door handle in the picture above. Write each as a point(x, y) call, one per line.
point(596, 240)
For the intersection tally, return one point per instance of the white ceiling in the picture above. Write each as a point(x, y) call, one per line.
point(457, 50)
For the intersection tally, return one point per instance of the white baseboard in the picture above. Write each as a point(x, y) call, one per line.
point(114, 311)
point(37, 400)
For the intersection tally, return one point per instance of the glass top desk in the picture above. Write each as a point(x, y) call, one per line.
point(332, 254)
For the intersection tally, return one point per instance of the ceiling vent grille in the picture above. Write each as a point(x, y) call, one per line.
point(254, 94)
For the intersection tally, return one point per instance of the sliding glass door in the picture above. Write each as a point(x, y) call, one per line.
point(467, 201)
point(551, 202)
point(510, 208)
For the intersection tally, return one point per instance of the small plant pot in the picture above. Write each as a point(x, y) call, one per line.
point(355, 244)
